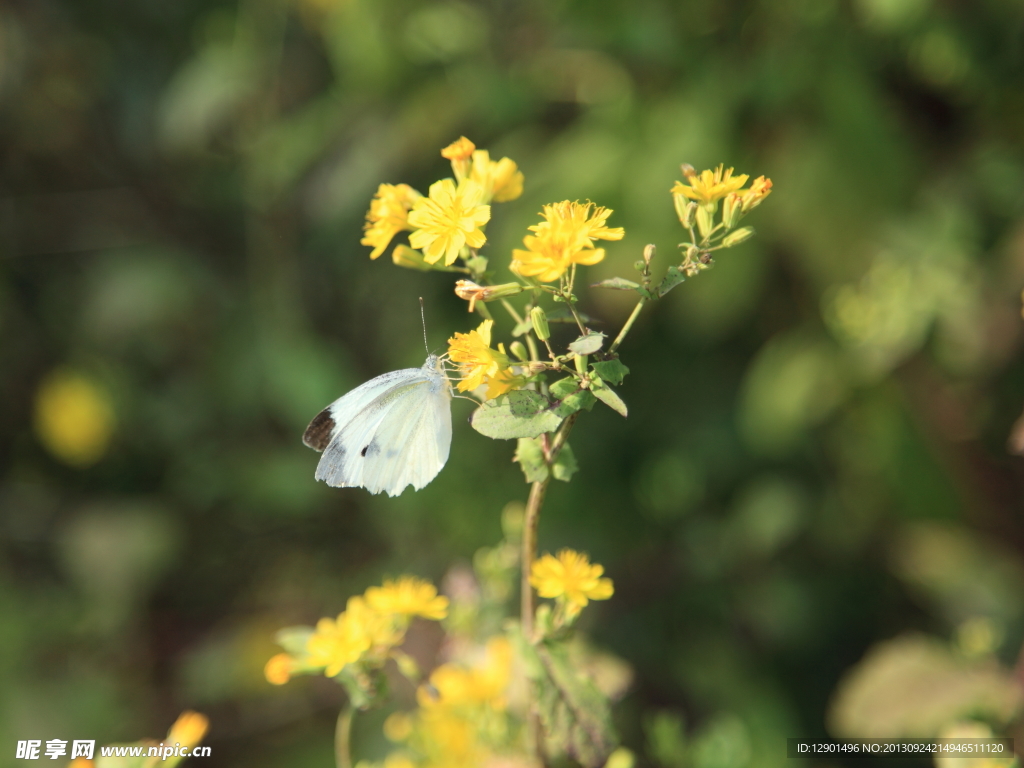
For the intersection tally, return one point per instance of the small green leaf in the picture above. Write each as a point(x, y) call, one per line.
point(673, 277)
point(587, 345)
point(609, 397)
point(617, 284)
point(612, 371)
point(530, 457)
point(520, 413)
point(524, 327)
point(563, 387)
point(575, 401)
point(565, 465)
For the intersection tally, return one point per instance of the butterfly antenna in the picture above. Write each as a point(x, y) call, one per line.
point(423, 319)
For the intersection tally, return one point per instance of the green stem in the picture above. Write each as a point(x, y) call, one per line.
point(343, 737)
point(529, 553)
point(629, 324)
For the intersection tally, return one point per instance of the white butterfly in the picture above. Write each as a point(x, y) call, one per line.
point(393, 431)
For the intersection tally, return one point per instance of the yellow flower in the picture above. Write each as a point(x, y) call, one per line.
point(189, 729)
point(501, 181)
point(278, 670)
point(760, 188)
point(565, 237)
point(570, 577)
point(74, 418)
point(388, 215)
point(408, 596)
point(336, 643)
point(459, 152)
point(708, 187)
point(479, 364)
point(378, 627)
point(449, 219)
point(460, 149)
point(482, 684)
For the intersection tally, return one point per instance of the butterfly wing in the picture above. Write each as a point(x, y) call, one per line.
point(414, 439)
point(392, 431)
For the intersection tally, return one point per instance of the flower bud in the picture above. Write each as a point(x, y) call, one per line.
point(705, 221)
point(460, 153)
point(404, 256)
point(735, 238)
point(685, 209)
point(688, 170)
point(648, 253)
point(518, 349)
point(732, 210)
point(540, 323)
point(471, 292)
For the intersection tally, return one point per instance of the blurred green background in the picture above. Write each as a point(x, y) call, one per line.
point(816, 458)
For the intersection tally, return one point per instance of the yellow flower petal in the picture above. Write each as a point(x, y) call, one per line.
point(570, 576)
point(388, 215)
point(448, 219)
point(565, 237)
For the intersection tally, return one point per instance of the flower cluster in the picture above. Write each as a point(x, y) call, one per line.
point(365, 632)
point(565, 237)
point(462, 717)
point(453, 214)
point(481, 365)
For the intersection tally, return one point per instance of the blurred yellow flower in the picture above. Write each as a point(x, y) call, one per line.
point(398, 760)
point(459, 152)
point(74, 419)
point(970, 729)
point(501, 181)
point(379, 627)
point(189, 729)
point(479, 364)
point(484, 683)
point(81, 762)
point(388, 215)
point(449, 219)
point(278, 670)
point(408, 596)
point(571, 577)
point(336, 643)
point(460, 149)
point(565, 237)
point(708, 187)
point(398, 726)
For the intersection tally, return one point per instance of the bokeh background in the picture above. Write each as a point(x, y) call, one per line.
point(813, 514)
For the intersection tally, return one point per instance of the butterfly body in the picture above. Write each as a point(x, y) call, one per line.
point(393, 431)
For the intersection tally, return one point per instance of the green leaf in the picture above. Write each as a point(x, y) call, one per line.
point(617, 284)
point(565, 465)
point(530, 457)
point(524, 327)
point(575, 401)
point(575, 715)
point(673, 277)
point(612, 371)
point(609, 397)
point(477, 265)
point(588, 344)
point(564, 387)
point(520, 413)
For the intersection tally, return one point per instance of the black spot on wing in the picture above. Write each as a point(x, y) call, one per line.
point(318, 433)
point(370, 450)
